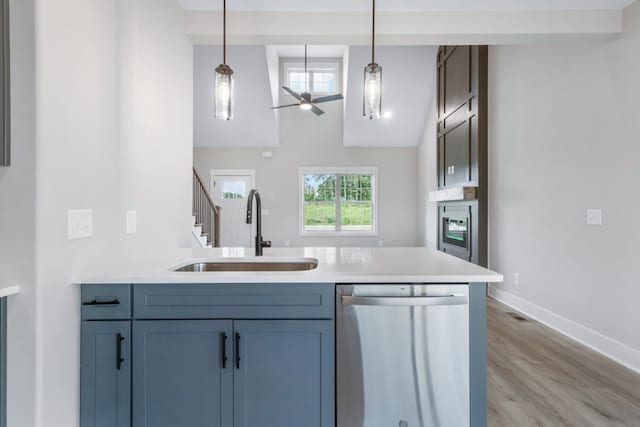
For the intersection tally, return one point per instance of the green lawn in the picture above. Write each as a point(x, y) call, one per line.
point(325, 215)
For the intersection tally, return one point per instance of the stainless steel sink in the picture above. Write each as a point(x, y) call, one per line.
point(250, 264)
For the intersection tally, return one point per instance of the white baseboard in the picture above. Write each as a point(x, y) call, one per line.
point(614, 350)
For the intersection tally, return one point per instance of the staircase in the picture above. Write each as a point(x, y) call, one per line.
point(206, 216)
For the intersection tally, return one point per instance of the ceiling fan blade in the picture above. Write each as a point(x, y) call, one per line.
point(284, 106)
point(328, 98)
point(292, 92)
point(316, 110)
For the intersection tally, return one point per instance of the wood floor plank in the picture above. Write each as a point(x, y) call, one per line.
point(538, 377)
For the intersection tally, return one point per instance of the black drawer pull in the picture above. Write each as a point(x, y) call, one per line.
point(119, 358)
point(223, 338)
point(237, 351)
point(96, 302)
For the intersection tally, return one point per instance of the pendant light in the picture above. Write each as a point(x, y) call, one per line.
point(223, 102)
point(372, 102)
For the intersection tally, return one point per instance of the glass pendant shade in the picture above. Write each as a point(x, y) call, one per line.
point(223, 104)
point(372, 106)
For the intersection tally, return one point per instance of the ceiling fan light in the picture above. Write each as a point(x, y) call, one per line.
point(305, 106)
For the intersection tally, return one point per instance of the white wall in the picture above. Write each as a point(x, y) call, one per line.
point(114, 118)
point(563, 138)
point(254, 122)
point(309, 140)
point(407, 87)
point(17, 220)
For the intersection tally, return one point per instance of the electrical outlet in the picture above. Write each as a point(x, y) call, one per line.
point(380, 243)
point(79, 224)
point(287, 243)
point(516, 278)
point(132, 222)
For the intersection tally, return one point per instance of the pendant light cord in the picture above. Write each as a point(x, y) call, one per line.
point(224, 32)
point(373, 34)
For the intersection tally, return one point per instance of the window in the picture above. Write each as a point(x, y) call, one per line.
point(233, 190)
point(320, 79)
point(338, 201)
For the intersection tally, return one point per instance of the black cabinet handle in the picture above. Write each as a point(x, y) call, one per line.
point(96, 302)
point(223, 338)
point(119, 358)
point(237, 351)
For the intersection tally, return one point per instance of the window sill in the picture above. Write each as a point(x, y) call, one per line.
point(337, 233)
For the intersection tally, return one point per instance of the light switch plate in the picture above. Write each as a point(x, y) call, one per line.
point(265, 212)
point(594, 216)
point(79, 224)
point(132, 222)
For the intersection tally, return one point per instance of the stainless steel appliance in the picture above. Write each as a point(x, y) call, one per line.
point(402, 355)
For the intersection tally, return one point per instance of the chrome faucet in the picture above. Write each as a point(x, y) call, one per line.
point(259, 242)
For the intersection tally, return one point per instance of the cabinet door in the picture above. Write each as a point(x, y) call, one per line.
point(180, 375)
point(284, 373)
point(105, 374)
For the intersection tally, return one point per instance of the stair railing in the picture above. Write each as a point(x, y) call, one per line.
point(206, 212)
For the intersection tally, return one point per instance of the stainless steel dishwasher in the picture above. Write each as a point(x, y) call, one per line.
point(402, 355)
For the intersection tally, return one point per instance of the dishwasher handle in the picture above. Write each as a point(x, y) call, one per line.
point(405, 301)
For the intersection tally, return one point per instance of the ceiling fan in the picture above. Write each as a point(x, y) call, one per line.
point(305, 102)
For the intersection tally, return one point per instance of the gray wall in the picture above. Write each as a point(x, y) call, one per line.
point(307, 140)
point(564, 137)
point(17, 221)
point(427, 170)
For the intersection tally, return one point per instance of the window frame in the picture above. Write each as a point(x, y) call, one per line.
point(373, 171)
point(312, 64)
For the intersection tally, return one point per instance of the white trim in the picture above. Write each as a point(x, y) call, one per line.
point(612, 349)
point(312, 63)
point(337, 170)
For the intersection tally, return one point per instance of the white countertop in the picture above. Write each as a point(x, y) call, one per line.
point(335, 265)
point(6, 291)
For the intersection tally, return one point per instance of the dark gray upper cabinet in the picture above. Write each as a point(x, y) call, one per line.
point(180, 376)
point(5, 110)
point(462, 115)
point(285, 373)
point(105, 374)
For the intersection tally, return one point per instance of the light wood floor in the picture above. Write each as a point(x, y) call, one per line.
point(537, 377)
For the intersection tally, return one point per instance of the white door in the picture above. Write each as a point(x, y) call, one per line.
point(230, 189)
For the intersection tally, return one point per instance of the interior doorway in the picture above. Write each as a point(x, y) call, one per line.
point(229, 189)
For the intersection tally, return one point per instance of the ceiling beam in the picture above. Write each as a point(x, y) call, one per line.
point(403, 28)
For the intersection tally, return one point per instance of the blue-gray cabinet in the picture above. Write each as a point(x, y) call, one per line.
point(182, 373)
point(105, 374)
point(284, 373)
point(228, 355)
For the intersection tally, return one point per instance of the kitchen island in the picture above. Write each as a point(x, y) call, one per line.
point(265, 348)
point(5, 292)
